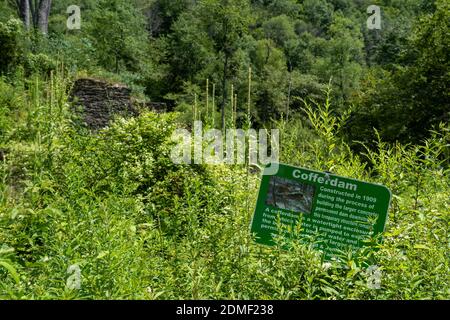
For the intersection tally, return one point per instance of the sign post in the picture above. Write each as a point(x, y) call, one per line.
point(340, 213)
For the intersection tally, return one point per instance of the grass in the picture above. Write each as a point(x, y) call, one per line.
point(140, 227)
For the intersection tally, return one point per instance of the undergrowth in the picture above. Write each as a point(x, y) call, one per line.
point(140, 227)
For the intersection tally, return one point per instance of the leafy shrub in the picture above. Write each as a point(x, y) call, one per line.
point(8, 100)
point(39, 64)
point(11, 44)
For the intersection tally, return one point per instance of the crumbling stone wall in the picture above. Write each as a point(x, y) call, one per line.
point(100, 101)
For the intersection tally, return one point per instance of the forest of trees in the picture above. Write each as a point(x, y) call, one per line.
point(395, 78)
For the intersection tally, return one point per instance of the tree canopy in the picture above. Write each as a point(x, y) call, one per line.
point(394, 79)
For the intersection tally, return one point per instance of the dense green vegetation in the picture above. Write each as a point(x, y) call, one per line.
point(367, 104)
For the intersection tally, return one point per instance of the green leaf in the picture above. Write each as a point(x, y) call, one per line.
point(421, 246)
point(12, 270)
point(102, 254)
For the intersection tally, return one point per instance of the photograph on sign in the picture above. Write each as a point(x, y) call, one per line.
point(290, 195)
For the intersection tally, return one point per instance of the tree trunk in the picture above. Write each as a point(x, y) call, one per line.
point(34, 13)
point(43, 14)
point(23, 7)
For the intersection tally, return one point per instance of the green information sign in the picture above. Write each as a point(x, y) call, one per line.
point(339, 213)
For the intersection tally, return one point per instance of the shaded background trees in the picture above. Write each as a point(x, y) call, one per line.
point(395, 78)
point(411, 95)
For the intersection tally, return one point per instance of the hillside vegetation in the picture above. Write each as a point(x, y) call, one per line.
point(111, 204)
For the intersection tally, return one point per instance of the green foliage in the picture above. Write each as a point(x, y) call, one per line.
point(280, 29)
point(405, 103)
point(39, 64)
point(319, 13)
point(8, 101)
point(344, 59)
point(192, 47)
point(118, 34)
point(6, 12)
point(11, 44)
point(140, 227)
point(271, 79)
point(157, 46)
